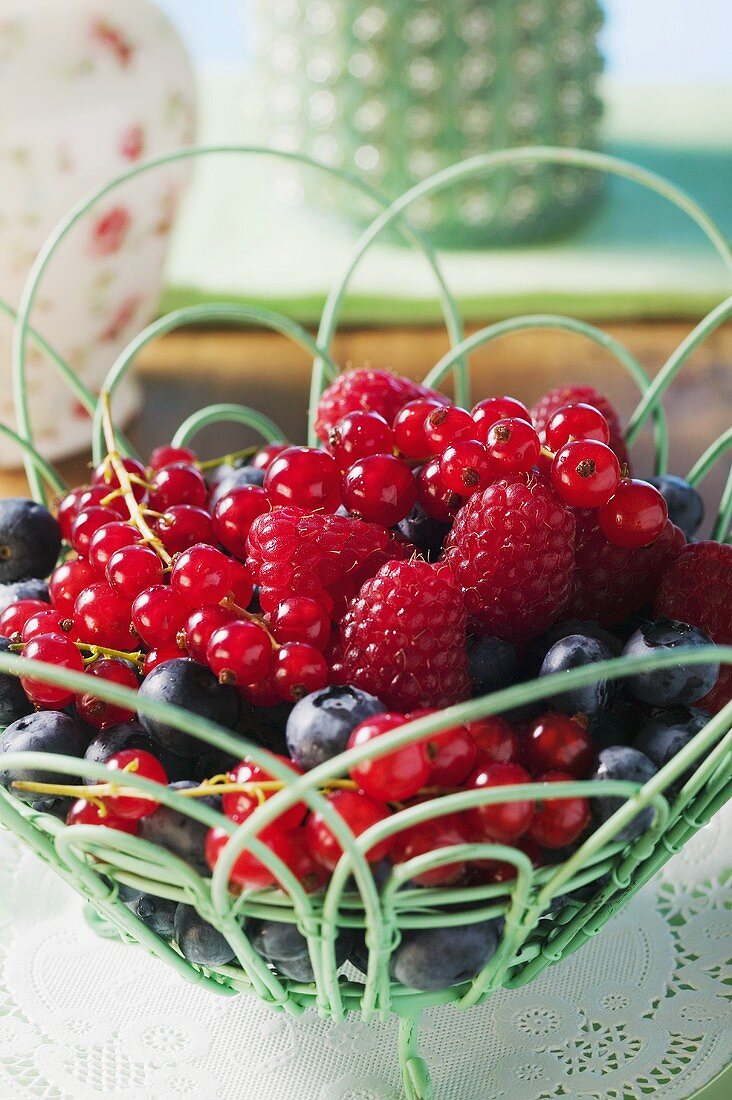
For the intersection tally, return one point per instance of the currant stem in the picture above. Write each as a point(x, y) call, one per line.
point(95, 652)
point(212, 463)
point(125, 482)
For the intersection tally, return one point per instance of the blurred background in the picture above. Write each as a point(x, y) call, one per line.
point(391, 90)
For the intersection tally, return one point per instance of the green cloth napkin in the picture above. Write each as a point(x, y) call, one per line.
point(242, 238)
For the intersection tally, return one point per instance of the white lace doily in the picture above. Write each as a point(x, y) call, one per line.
point(642, 1009)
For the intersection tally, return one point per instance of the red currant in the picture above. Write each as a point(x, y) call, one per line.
point(359, 813)
point(67, 509)
point(267, 454)
point(93, 496)
point(298, 670)
point(502, 822)
point(634, 516)
point(234, 514)
point(379, 489)
point(106, 540)
point(306, 477)
point(102, 617)
point(57, 650)
point(466, 467)
point(240, 652)
point(182, 526)
point(201, 575)
point(301, 619)
point(555, 742)
point(486, 413)
point(177, 484)
point(576, 421)
point(490, 871)
point(200, 626)
point(16, 615)
point(396, 776)
point(239, 805)
point(49, 621)
point(311, 876)
point(358, 435)
point(140, 763)
point(158, 615)
point(168, 455)
point(133, 569)
point(262, 694)
point(409, 437)
point(495, 741)
point(96, 712)
point(436, 498)
point(452, 755)
point(87, 813)
point(66, 582)
point(558, 821)
point(241, 583)
point(86, 523)
point(158, 656)
point(249, 873)
point(437, 832)
point(105, 475)
point(513, 445)
point(585, 473)
point(445, 425)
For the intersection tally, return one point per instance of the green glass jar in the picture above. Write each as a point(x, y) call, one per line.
point(397, 89)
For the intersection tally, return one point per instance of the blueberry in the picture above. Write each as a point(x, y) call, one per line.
point(621, 762)
point(685, 506)
point(30, 540)
point(42, 731)
point(230, 477)
point(577, 651)
point(157, 913)
point(284, 946)
point(683, 683)
point(492, 664)
point(212, 762)
point(30, 589)
point(668, 731)
point(426, 532)
point(128, 894)
point(619, 724)
point(586, 627)
point(320, 724)
point(131, 735)
point(177, 832)
point(14, 702)
point(439, 958)
point(187, 684)
point(199, 941)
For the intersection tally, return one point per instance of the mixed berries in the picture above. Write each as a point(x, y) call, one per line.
point(314, 600)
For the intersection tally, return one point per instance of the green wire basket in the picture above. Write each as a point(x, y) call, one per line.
point(683, 795)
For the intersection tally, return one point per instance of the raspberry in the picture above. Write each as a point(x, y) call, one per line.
point(325, 557)
point(697, 589)
point(546, 406)
point(376, 391)
point(511, 550)
point(404, 638)
point(611, 582)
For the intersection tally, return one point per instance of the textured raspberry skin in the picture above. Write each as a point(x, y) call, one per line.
point(369, 391)
point(546, 406)
point(611, 582)
point(697, 589)
point(295, 553)
point(404, 638)
point(511, 550)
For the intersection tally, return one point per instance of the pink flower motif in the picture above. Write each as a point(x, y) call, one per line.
point(121, 318)
point(132, 143)
point(111, 38)
point(109, 232)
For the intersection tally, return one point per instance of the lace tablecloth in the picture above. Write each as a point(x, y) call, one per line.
point(642, 1009)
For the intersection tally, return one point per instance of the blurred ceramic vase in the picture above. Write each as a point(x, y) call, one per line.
point(397, 89)
point(88, 88)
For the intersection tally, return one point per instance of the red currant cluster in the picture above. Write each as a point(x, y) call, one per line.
point(489, 753)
